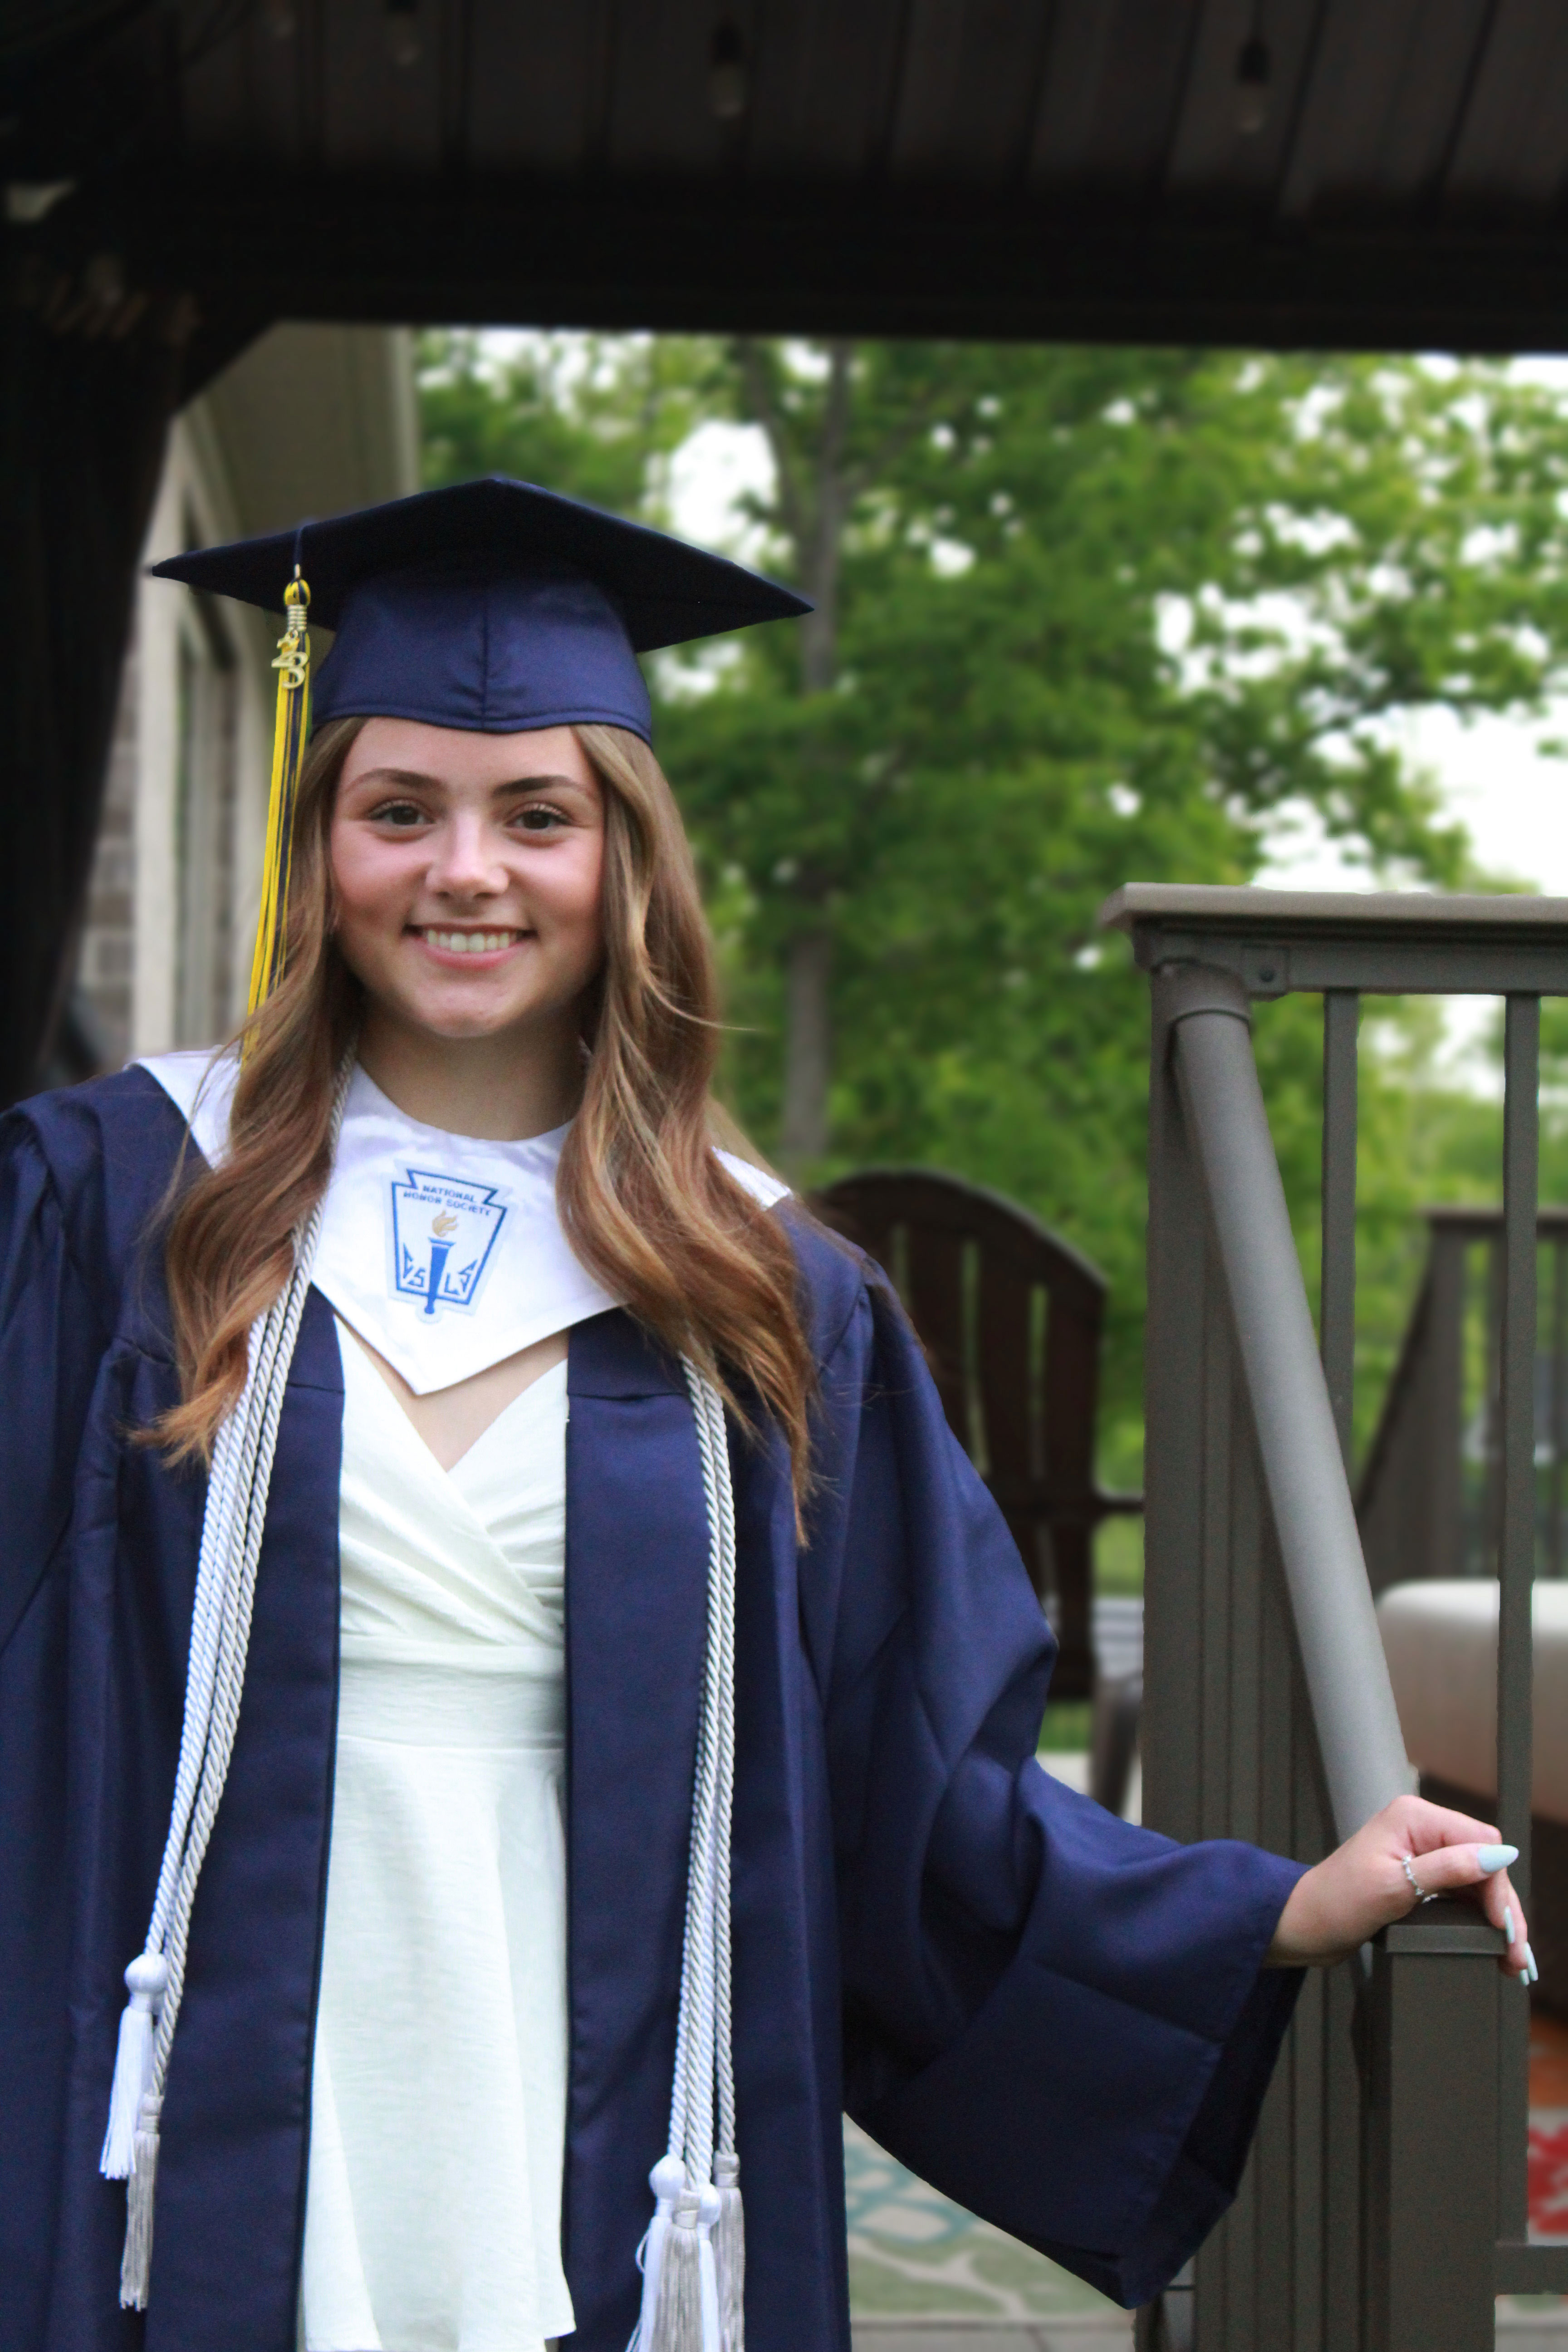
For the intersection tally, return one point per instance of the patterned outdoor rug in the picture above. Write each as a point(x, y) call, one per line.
point(912, 2254)
point(1548, 2128)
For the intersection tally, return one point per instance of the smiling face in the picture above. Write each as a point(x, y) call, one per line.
point(468, 871)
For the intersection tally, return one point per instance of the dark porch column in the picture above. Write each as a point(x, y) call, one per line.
point(89, 376)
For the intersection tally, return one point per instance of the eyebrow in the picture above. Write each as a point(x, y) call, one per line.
point(416, 776)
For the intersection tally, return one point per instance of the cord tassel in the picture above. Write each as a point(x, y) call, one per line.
point(667, 2181)
point(685, 2314)
point(136, 2263)
point(677, 2306)
point(708, 2278)
point(146, 1979)
point(729, 2254)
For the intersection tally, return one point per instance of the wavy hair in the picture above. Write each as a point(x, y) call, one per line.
point(648, 1207)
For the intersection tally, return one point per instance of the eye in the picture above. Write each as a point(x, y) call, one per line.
point(402, 815)
point(540, 817)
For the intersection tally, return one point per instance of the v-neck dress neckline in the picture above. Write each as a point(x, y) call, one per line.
point(439, 2119)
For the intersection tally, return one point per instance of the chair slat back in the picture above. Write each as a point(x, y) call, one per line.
point(1011, 1319)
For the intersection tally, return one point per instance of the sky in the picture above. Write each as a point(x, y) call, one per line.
point(1512, 800)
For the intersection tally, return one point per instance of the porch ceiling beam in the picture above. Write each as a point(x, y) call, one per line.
point(721, 258)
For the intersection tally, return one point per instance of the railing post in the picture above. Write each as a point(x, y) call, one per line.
point(1172, 1382)
point(1430, 2047)
point(1516, 1552)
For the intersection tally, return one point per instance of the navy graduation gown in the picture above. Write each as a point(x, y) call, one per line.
point(1058, 2020)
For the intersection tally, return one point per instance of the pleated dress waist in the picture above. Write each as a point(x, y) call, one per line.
point(511, 1697)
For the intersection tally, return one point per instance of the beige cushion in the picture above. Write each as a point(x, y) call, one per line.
point(1440, 1638)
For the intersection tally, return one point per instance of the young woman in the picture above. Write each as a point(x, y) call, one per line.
point(490, 1582)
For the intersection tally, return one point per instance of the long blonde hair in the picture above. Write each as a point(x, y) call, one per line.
point(648, 1207)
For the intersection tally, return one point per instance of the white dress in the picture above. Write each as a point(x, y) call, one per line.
point(433, 2209)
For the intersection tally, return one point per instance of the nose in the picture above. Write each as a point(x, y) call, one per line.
point(465, 862)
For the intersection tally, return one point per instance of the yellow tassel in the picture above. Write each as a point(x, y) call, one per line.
point(289, 737)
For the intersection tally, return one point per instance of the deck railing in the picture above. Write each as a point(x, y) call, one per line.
point(1383, 2208)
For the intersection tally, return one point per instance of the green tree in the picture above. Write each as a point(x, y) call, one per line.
point(1083, 617)
point(1090, 616)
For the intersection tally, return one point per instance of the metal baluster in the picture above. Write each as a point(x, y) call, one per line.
point(1516, 1556)
point(1448, 1554)
point(1336, 1311)
point(1491, 1539)
point(1559, 1402)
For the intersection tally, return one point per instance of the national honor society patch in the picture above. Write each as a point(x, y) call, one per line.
point(444, 1233)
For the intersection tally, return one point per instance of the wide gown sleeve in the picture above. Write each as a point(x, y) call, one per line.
point(1059, 2020)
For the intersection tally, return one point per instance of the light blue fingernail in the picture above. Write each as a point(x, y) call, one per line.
point(1530, 1964)
point(1508, 1924)
point(1495, 1857)
point(1524, 1976)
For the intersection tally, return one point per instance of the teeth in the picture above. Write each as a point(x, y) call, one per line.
point(470, 942)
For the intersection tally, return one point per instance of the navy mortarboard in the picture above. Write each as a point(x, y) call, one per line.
point(493, 606)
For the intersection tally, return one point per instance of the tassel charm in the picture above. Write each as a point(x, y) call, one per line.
point(146, 1980)
point(136, 2263)
point(290, 731)
point(729, 2254)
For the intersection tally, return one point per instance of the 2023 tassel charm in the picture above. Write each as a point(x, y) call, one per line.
point(290, 733)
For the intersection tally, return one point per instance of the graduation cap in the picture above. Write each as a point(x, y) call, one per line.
point(493, 606)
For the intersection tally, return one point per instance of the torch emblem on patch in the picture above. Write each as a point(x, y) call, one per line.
point(443, 1237)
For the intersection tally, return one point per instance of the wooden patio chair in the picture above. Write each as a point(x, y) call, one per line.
point(1010, 1318)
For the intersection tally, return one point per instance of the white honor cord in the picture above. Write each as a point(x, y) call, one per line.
point(703, 2068)
point(693, 2257)
point(232, 1527)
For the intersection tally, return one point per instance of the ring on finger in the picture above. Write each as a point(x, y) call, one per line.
point(1405, 1861)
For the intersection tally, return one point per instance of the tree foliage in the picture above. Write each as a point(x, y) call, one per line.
point(1085, 616)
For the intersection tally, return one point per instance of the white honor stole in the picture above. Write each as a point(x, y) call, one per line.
point(446, 1252)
